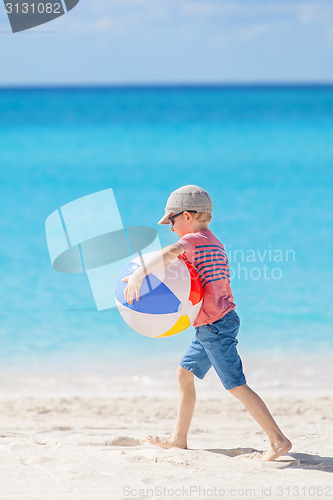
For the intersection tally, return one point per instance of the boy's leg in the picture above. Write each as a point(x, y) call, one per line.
point(186, 403)
point(194, 362)
point(220, 341)
point(280, 444)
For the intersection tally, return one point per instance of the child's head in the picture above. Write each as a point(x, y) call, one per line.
point(188, 210)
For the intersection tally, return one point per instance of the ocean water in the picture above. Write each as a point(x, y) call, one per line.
point(265, 155)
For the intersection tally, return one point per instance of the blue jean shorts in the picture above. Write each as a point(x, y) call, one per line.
point(215, 345)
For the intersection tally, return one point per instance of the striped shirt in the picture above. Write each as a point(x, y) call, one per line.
point(208, 256)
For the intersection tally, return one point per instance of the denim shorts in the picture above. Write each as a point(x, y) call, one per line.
point(215, 345)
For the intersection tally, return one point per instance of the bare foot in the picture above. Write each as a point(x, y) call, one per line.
point(276, 450)
point(167, 442)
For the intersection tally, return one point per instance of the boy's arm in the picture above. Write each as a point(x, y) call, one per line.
point(163, 257)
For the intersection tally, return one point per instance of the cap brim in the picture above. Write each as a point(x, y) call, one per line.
point(165, 218)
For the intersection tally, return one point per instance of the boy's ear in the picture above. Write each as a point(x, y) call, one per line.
point(190, 215)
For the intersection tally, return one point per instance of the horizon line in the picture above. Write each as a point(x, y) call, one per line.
point(162, 85)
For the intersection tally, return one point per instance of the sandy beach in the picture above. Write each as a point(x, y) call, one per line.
point(80, 447)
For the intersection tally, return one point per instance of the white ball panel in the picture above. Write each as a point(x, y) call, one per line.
point(150, 325)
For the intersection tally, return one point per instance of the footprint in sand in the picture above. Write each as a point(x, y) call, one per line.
point(118, 441)
point(256, 455)
point(172, 461)
point(139, 459)
point(45, 460)
point(259, 456)
point(45, 443)
point(123, 441)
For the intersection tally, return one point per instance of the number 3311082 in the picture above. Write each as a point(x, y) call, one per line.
point(33, 8)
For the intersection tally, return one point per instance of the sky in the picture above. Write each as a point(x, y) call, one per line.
point(173, 41)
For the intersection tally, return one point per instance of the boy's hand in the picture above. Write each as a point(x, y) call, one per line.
point(162, 258)
point(134, 282)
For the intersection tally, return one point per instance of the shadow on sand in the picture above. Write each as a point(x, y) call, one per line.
point(293, 460)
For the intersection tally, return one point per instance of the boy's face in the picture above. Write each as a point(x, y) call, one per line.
point(183, 224)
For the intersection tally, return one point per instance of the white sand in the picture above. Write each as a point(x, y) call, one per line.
point(95, 448)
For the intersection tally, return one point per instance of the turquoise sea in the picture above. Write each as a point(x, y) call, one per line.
point(265, 155)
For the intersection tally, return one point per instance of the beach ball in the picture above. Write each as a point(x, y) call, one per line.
point(170, 298)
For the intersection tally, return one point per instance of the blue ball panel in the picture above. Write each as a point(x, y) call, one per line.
point(155, 296)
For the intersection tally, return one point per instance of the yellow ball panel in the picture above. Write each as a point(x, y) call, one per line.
point(179, 326)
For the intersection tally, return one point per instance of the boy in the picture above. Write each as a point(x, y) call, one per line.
point(188, 210)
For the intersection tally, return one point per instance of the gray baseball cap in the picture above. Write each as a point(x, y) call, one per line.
point(187, 198)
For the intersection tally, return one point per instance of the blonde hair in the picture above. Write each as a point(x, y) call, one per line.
point(203, 216)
